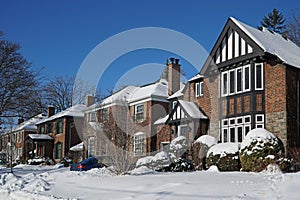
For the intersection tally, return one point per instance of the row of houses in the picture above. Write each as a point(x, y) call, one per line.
point(251, 79)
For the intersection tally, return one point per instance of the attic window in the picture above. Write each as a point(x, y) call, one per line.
point(199, 89)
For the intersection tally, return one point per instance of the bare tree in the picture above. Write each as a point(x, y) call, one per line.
point(65, 91)
point(19, 90)
point(293, 29)
point(58, 92)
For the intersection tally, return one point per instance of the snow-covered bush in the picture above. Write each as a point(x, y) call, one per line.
point(224, 156)
point(259, 149)
point(178, 146)
point(168, 161)
point(180, 165)
point(200, 148)
point(145, 161)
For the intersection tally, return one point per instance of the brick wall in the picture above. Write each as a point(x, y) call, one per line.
point(275, 100)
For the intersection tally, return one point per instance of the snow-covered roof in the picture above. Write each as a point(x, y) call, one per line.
point(273, 43)
point(161, 120)
point(77, 147)
point(40, 137)
point(74, 111)
point(192, 109)
point(29, 125)
point(197, 76)
point(179, 93)
point(119, 96)
point(158, 89)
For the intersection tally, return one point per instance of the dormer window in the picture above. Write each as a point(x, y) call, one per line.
point(199, 89)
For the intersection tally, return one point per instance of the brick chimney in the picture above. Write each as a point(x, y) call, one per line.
point(51, 111)
point(173, 76)
point(89, 100)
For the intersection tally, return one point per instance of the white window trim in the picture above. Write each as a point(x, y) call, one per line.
point(232, 127)
point(260, 115)
point(197, 89)
point(262, 76)
point(238, 119)
point(222, 139)
point(245, 126)
point(222, 84)
point(234, 81)
point(237, 134)
point(136, 112)
point(139, 134)
point(245, 119)
point(233, 118)
point(244, 80)
point(257, 125)
point(224, 120)
point(201, 88)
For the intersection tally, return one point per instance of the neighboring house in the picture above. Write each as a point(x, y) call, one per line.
point(132, 112)
point(250, 80)
point(14, 141)
point(57, 133)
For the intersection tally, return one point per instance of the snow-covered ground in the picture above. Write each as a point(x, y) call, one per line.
point(48, 182)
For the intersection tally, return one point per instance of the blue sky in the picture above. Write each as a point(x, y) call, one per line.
point(58, 35)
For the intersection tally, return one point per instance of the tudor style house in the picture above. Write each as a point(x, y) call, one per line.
point(131, 111)
point(57, 133)
point(250, 80)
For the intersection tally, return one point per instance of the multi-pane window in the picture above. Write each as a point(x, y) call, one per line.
point(139, 143)
point(139, 112)
point(92, 116)
point(234, 129)
point(258, 76)
point(259, 121)
point(199, 89)
point(238, 80)
point(59, 126)
point(58, 150)
point(224, 83)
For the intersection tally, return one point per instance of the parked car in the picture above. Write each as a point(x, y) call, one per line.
point(86, 164)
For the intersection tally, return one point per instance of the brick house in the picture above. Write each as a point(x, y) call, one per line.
point(133, 109)
point(57, 133)
point(250, 80)
point(16, 137)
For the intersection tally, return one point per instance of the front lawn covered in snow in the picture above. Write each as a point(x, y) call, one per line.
point(49, 182)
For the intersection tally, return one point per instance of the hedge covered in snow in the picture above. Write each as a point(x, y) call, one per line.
point(225, 156)
point(259, 149)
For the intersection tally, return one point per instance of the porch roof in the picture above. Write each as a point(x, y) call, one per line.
point(39, 137)
point(192, 110)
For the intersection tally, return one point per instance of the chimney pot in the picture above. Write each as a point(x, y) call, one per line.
point(176, 61)
point(172, 60)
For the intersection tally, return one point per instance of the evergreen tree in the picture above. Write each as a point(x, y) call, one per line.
point(274, 21)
